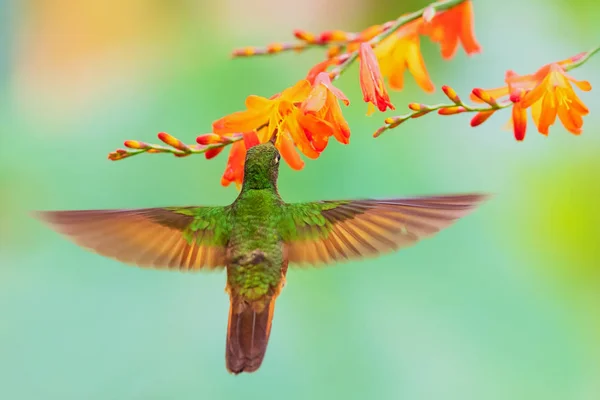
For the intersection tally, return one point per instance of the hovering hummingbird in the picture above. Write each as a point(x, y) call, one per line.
point(255, 238)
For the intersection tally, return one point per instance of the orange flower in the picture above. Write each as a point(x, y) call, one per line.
point(400, 51)
point(452, 26)
point(555, 95)
point(260, 111)
point(322, 107)
point(548, 93)
point(234, 170)
point(371, 81)
point(303, 116)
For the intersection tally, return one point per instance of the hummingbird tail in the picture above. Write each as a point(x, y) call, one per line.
point(248, 333)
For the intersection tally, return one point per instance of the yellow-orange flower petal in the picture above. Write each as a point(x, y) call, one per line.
point(242, 121)
point(286, 147)
point(298, 92)
point(401, 51)
point(557, 97)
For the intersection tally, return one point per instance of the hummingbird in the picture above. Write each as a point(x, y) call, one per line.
point(255, 238)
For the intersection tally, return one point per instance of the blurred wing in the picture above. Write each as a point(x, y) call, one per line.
point(188, 238)
point(331, 231)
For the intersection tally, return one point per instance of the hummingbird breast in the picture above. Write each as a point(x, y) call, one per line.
point(255, 250)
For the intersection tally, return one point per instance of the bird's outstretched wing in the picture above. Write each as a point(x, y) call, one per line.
point(326, 232)
point(187, 238)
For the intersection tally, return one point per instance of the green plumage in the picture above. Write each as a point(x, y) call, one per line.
point(254, 231)
point(255, 238)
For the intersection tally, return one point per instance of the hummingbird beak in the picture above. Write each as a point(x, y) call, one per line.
point(273, 137)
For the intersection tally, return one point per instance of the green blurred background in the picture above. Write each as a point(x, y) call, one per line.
point(504, 305)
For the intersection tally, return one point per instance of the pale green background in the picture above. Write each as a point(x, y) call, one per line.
point(504, 305)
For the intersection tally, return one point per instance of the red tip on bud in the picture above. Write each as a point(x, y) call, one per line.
point(419, 107)
point(173, 142)
point(451, 110)
point(209, 138)
point(213, 152)
point(451, 94)
point(334, 36)
point(379, 131)
point(481, 117)
point(484, 96)
point(118, 154)
point(245, 52)
point(393, 122)
point(135, 144)
point(274, 48)
point(305, 36)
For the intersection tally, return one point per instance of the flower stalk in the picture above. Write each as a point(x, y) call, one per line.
point(555, 86)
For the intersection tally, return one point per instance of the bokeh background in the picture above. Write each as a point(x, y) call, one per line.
point(504, 305)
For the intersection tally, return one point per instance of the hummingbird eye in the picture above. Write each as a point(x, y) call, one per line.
point(277, 158)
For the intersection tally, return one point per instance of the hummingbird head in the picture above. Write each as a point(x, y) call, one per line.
point(262, 167)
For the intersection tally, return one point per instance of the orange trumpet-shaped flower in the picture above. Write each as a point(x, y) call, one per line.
point(548, 93)
point(303, 116)
point(371, 80)
point(451, 27)
point(400, 51)
point(322, 106)
point(554, 96)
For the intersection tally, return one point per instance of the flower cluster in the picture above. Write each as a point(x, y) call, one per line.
point(548, 93)
point(301, 119)
point(387, 50)
point(305, 116)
